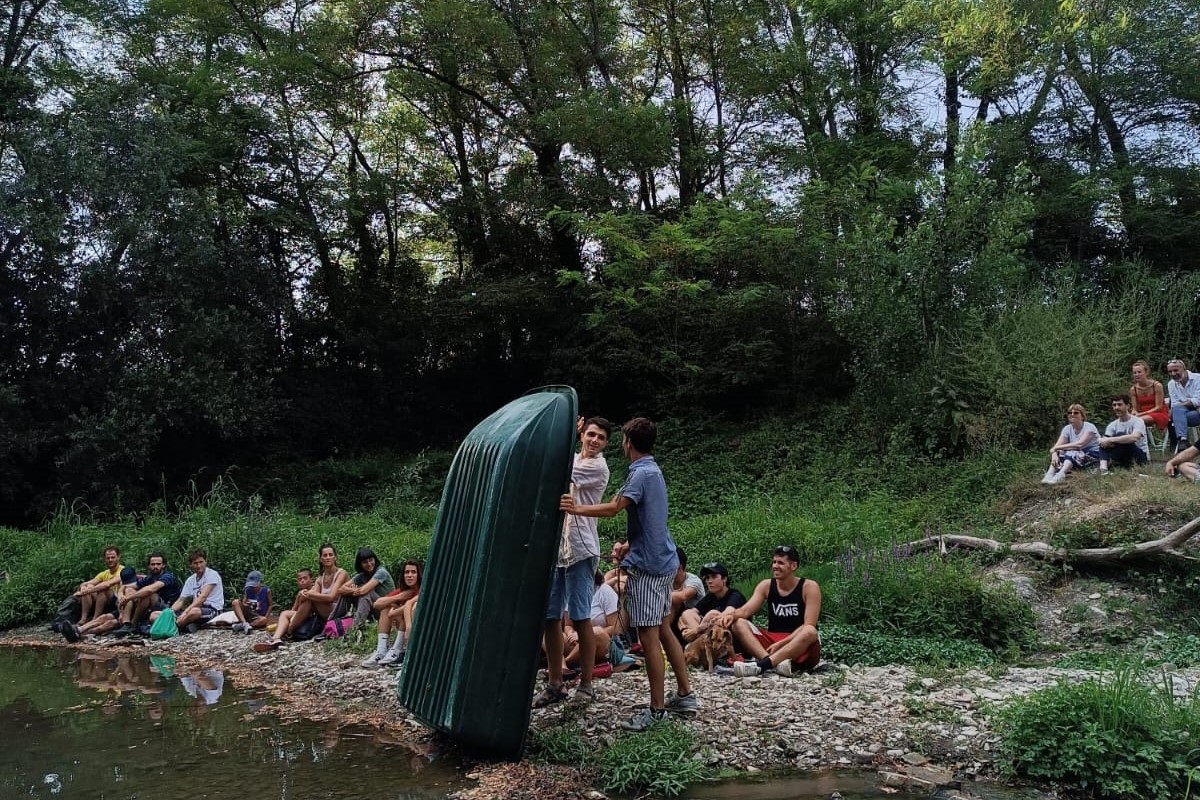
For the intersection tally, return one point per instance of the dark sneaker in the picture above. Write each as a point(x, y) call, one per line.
point(70, 632)
point(549, 696)
point(191, 627)
point(123, 631)
point(143, 629)
point(644, 720)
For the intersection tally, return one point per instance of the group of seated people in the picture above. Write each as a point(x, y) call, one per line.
point(121, 602)
point(1126, 440)
point(706, 601)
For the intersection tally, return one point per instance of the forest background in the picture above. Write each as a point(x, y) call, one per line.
point(238, 237)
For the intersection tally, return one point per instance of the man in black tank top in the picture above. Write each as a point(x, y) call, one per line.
point(790, 641)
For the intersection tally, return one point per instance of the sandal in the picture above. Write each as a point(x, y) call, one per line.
point(263, 647)
point(549, 696)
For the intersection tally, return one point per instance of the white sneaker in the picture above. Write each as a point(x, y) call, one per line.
point(391, 657)
point(1049, 476)
point(745, 669)
point(1058, 477)
point(784, 668)
point(373, 659)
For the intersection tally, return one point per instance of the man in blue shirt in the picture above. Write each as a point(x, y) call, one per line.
point(649, 557)
point(153, 592)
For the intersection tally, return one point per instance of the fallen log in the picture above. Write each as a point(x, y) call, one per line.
point(1169, 546)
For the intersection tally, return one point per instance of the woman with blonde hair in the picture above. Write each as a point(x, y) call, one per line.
point(1077, 447)
point(1147, 394)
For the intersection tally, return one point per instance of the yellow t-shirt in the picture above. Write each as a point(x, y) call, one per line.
point(108, 575)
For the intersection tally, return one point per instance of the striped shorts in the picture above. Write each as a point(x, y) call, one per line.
point(648, 598)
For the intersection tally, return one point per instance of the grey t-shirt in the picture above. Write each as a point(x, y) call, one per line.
point(193, 585)
point(1131, 425)
point(581, 538)
point(693, 582)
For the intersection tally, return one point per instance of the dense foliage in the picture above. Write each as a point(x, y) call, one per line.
point(1115, 738)
point(255, 235)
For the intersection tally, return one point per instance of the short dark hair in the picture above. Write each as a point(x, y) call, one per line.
point(113, 548)
point(682, 556)
point(1122, 396)
point(599, 422)
point(157, 554)
point(363, 554)
point(197, 553)
point(641, 432)
point(788, 552)
point(304, 571)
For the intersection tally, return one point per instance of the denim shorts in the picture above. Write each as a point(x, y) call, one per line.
point(571, 590)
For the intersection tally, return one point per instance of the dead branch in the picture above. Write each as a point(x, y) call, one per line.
point(1169, 546)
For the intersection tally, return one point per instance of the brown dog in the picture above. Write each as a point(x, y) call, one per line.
point(709, 648)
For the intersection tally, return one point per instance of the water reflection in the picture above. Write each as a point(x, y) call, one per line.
point(116, 726)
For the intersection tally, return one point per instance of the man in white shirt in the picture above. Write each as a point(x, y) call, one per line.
point(1184, 391)
point(202, 598)
point(1124, 440)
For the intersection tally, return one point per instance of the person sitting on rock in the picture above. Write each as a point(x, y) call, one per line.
point(790, 641)
point(202, 596)
point(604, 627)
point(720, 596)
point(253, 608)
point(303, 606)
point(105, 622)
point(96, 597)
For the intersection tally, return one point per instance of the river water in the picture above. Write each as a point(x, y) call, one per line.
point(124, 726)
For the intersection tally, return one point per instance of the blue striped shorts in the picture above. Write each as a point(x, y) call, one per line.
point(648, 598)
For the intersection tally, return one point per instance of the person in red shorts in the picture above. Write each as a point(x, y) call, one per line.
point(790, 643)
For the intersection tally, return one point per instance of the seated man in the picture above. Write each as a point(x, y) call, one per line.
point(793, 607)
point(720, 596)
point(1124, 441)
point(1184, 391)
point(154, 591)
point(98, 596)
point(202, 596)
point(686, 589)
point(105, 622)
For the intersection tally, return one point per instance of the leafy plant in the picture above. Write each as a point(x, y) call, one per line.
point(1125, 735)
point(851, 645)
point(658, 761)
point(562, 745)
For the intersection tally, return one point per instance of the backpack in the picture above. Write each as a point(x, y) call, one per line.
point(307, 629)
point(164, 627)
point(336, 628)
point(69, 610)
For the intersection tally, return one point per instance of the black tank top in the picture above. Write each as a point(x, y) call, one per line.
point(785, 613)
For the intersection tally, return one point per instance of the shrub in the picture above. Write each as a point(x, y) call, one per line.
point(924, 594)
point(658, 761)
point(849, 645)
point(1117, 738)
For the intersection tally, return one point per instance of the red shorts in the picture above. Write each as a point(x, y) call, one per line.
point(810, 659)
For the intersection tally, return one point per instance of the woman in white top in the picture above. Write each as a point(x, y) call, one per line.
point(1077, 447)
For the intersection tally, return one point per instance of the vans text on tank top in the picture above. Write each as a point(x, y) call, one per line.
point(785, 612)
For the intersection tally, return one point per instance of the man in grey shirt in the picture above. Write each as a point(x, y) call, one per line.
point(574, 575)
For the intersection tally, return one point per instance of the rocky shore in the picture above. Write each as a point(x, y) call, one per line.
point(917, 731)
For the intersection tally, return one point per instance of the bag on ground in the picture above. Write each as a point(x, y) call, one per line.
point(164, 627)
point(308, 628)
point(337, 628)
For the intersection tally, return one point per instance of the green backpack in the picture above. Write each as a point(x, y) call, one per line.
point(164, 627)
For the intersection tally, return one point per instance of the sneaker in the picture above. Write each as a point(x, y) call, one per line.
point(1049, 476)
point(746, 669)
point(683, 703)
point(70, 632)
point(123, 631)
point(264, 647)
point(644, 720)
point(784, 668)
point(373, 660)
point(1057, 477)
point(549, 696)
point(391, 657)
point(143, 629)
point(191, 627)
point(1105, 471)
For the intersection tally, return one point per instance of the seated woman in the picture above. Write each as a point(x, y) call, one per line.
point(1147, 395)
point(1078, 446)
point(370, 582)
point(317, 598)
point(391, 615)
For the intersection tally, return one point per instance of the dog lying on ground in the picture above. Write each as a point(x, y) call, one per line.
point(710, 648)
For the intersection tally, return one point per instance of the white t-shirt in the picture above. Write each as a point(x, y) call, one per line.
point(691, 581)
point(1131, 425)
point(1071, 437)
point(604, 602)
point(192, 587)
point(581, 538)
